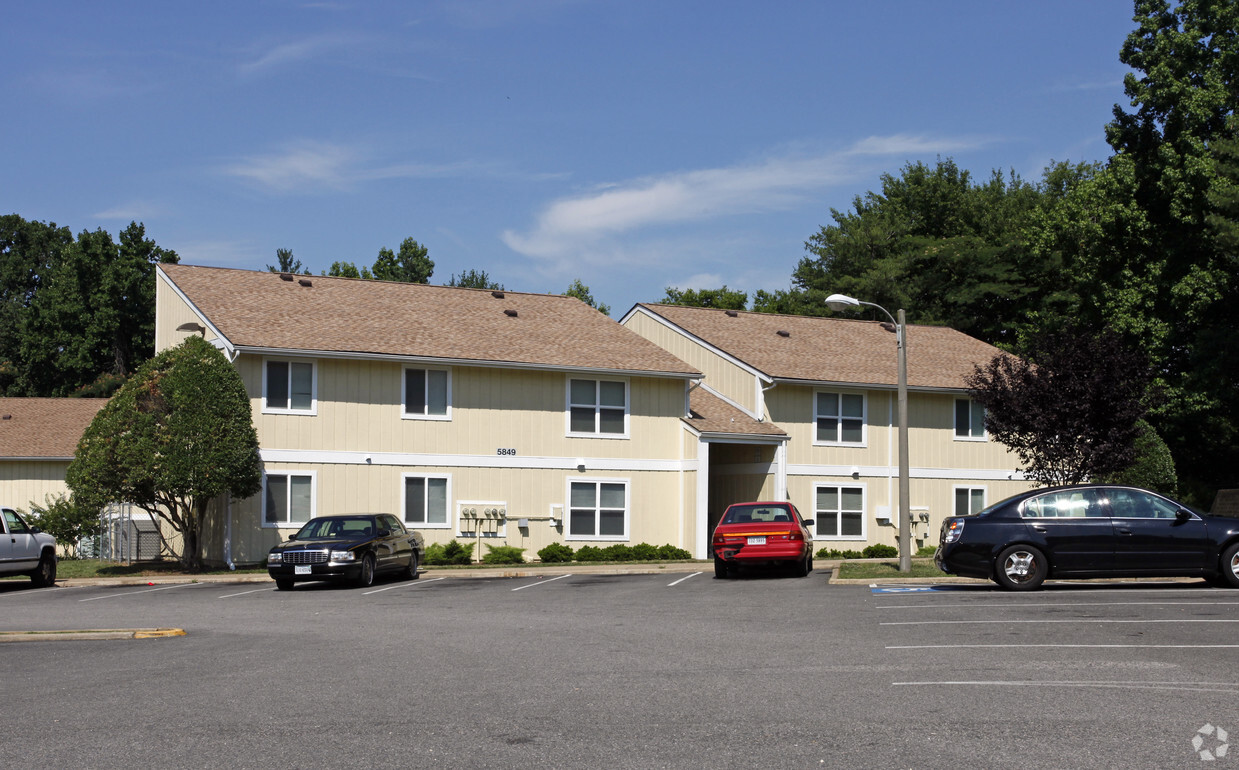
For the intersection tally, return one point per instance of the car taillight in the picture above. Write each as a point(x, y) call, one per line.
point(953, 529)
point(795, 534)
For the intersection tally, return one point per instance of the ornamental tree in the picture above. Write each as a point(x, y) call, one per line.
point(1072, 410)
point(178, 434)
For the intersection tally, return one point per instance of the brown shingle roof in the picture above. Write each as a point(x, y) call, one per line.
point(44, 427)
point(711, 414)
point(833, 349)
point(344, 315)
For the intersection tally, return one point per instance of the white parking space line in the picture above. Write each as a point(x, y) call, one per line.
point(540, 583)
point(243, 593)
point(1067, 646)
point(1049, 620)
point(681, 580)
point(1016, 605)
point(409, 584)
point(1181, 686)
point(132, 593)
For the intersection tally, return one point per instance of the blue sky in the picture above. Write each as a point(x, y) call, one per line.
point(634, 145)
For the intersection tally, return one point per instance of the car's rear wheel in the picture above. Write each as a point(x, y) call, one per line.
point(410, 572)
point(284, 584)
point(721, 570)
point(1020, 568)
point(1230, 566)
point(802, 567)
point(45, 574)
point(366, 576)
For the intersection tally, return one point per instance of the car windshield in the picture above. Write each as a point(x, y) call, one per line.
point(747, 514)
point(338, 526)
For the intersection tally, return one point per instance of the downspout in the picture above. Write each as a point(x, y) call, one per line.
point(228, 535)
point(761, 408)
point(693, 385)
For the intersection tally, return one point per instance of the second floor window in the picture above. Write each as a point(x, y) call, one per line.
point(969, 420)
point(427, 393)
point(840, 418)
point(289, 386)
point(598, 407)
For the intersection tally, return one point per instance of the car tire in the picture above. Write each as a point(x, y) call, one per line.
point(1230, 566)
point(365, 578)
point(721, 570)
point(1020, 568)
point(284, 584)
point(45, 574)
point(802, 567)
point(410, 572)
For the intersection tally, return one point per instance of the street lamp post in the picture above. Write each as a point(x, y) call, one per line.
point(841, 302)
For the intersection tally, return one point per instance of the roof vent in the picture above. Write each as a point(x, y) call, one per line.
point(6, 417)
point(783, 333)
point(305, 282)
point(510, 313)
point(497, 294)
point(286, 276)
point(731, 313)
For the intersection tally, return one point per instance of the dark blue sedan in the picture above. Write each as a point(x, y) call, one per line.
point(1089, 531)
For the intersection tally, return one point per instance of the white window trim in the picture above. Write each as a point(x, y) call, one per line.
point(864, 419)
point(955, 424)
point(596, 434)
point(404, 394)
point(447, 501)
point(864, 513)
point(567, 512)
point(955, 490)
point(313, 475)
point(313, 410)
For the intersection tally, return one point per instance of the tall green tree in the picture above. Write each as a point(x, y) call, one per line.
point(724, 298)
point(176, 436)
point(287, 263)
point(474, 279)
point(28, 251)
point(411, 265)
point(581, 292)
point(348, 270)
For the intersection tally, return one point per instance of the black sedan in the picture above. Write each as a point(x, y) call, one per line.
point(1089, 531)
point(353, 547)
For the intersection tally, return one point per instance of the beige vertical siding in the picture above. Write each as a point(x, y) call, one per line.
point(170, 312)
point(24, 482)
point(722, 375)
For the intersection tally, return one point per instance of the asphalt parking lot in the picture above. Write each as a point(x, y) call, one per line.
point(673, 670)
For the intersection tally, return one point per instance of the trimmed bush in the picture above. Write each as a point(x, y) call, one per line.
point(644, 552)
point(617, 552)
point(880, 551)
point(589, 553)
point(503, 554)
point(438, 554)
point(555, 552)
point(669, 552)
point(831, 553)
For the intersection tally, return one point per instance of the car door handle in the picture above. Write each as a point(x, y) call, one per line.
point(1039, 527)
point(1123, 530)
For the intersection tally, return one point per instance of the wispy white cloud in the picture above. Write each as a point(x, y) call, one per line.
point(134, 211)
point(274, 56)
point(585, 222)
point(220, 253)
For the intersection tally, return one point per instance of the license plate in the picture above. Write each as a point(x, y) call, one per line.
point(757, 540)
point(305, 569)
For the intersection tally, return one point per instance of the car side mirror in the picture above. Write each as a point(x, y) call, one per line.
point(36, 531)
point(293, 536)
point(808, 522)
point(384, 533)
point(1182, 515)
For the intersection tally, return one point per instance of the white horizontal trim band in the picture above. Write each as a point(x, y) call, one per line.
point(884, 471)
point(313, 457)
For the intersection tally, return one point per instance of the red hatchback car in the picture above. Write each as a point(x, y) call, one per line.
point(762, 533)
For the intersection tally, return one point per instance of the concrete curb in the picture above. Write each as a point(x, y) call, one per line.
point(89, 634)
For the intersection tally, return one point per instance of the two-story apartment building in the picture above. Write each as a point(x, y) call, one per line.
point(829, 385)
point(484, 416)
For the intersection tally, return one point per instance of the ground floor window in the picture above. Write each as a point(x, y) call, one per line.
point(425, 501)
point(288, 499)
point(969, 500)
point(840, 512)
point(598, 509)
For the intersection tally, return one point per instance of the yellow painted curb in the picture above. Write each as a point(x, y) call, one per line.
point(89, 634)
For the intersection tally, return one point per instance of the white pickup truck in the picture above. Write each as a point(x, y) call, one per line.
point(26, 550)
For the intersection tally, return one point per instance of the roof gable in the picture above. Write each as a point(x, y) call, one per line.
point(317, 314)
point(832, 349)
point(47, 428)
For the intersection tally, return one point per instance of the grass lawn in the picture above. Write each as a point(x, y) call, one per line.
point(887, 569)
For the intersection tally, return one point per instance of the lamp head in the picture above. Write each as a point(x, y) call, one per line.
point(841, 302)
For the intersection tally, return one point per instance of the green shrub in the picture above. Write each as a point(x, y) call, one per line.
point(926, 550)
point(438, 554)
point(617, 552)
point(831, 553)
point(556, 552)
point(880, 551)
point(503, 554)
point(669, 552)
point(589, 553)
point(644, 552)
